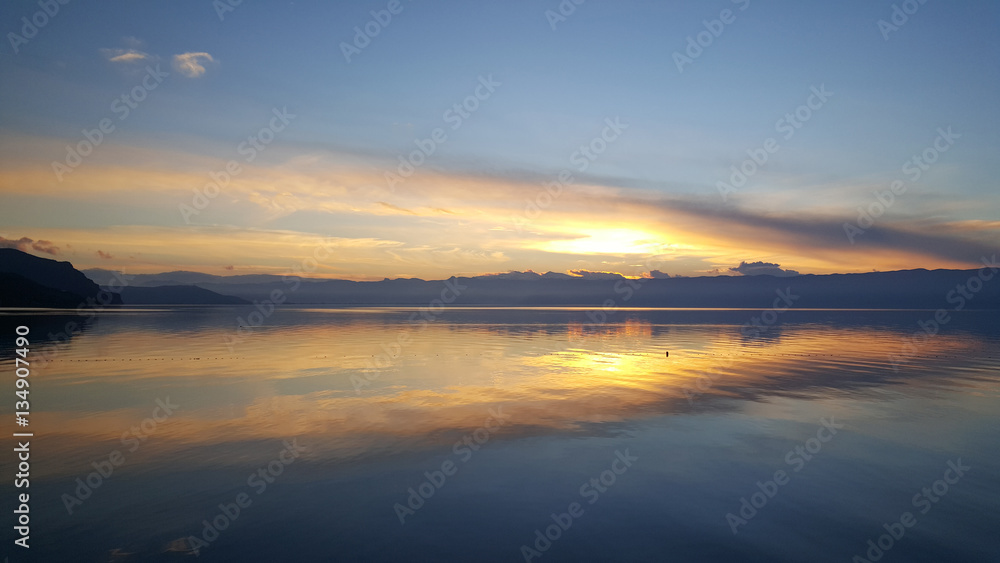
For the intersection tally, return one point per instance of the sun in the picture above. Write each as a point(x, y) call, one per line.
point(610, 241)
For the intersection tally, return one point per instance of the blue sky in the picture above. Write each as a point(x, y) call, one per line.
point(652, 192)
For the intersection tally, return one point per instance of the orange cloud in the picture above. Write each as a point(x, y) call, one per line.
point(26, 244)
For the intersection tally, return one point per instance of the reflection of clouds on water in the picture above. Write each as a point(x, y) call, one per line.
point(559, 374)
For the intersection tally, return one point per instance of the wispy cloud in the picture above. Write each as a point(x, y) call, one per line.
point(191, 64)
point(396, 208)
point(125, 56)
point(132, 53)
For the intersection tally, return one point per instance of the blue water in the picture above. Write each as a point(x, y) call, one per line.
point(514, 423)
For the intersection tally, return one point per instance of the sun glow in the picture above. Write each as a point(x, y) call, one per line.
point(610, 241)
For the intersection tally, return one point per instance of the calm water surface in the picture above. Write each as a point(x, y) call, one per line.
point(503, 418)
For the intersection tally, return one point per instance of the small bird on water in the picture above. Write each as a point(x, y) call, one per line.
point(668, 353)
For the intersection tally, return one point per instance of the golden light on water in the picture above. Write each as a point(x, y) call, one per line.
point(549, 377)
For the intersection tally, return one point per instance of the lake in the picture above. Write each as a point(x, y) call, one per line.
point(560, 434)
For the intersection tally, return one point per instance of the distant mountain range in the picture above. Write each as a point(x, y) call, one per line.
point(177, 295)
point(891, 290)
point(179, 277)
point(906, 289)
point(29, 281)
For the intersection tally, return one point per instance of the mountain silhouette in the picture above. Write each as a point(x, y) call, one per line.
point(904, 289)
point(18, 291)
point(68, 286)
point(177, 295)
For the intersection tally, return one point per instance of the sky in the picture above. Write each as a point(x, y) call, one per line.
point(430, 139)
